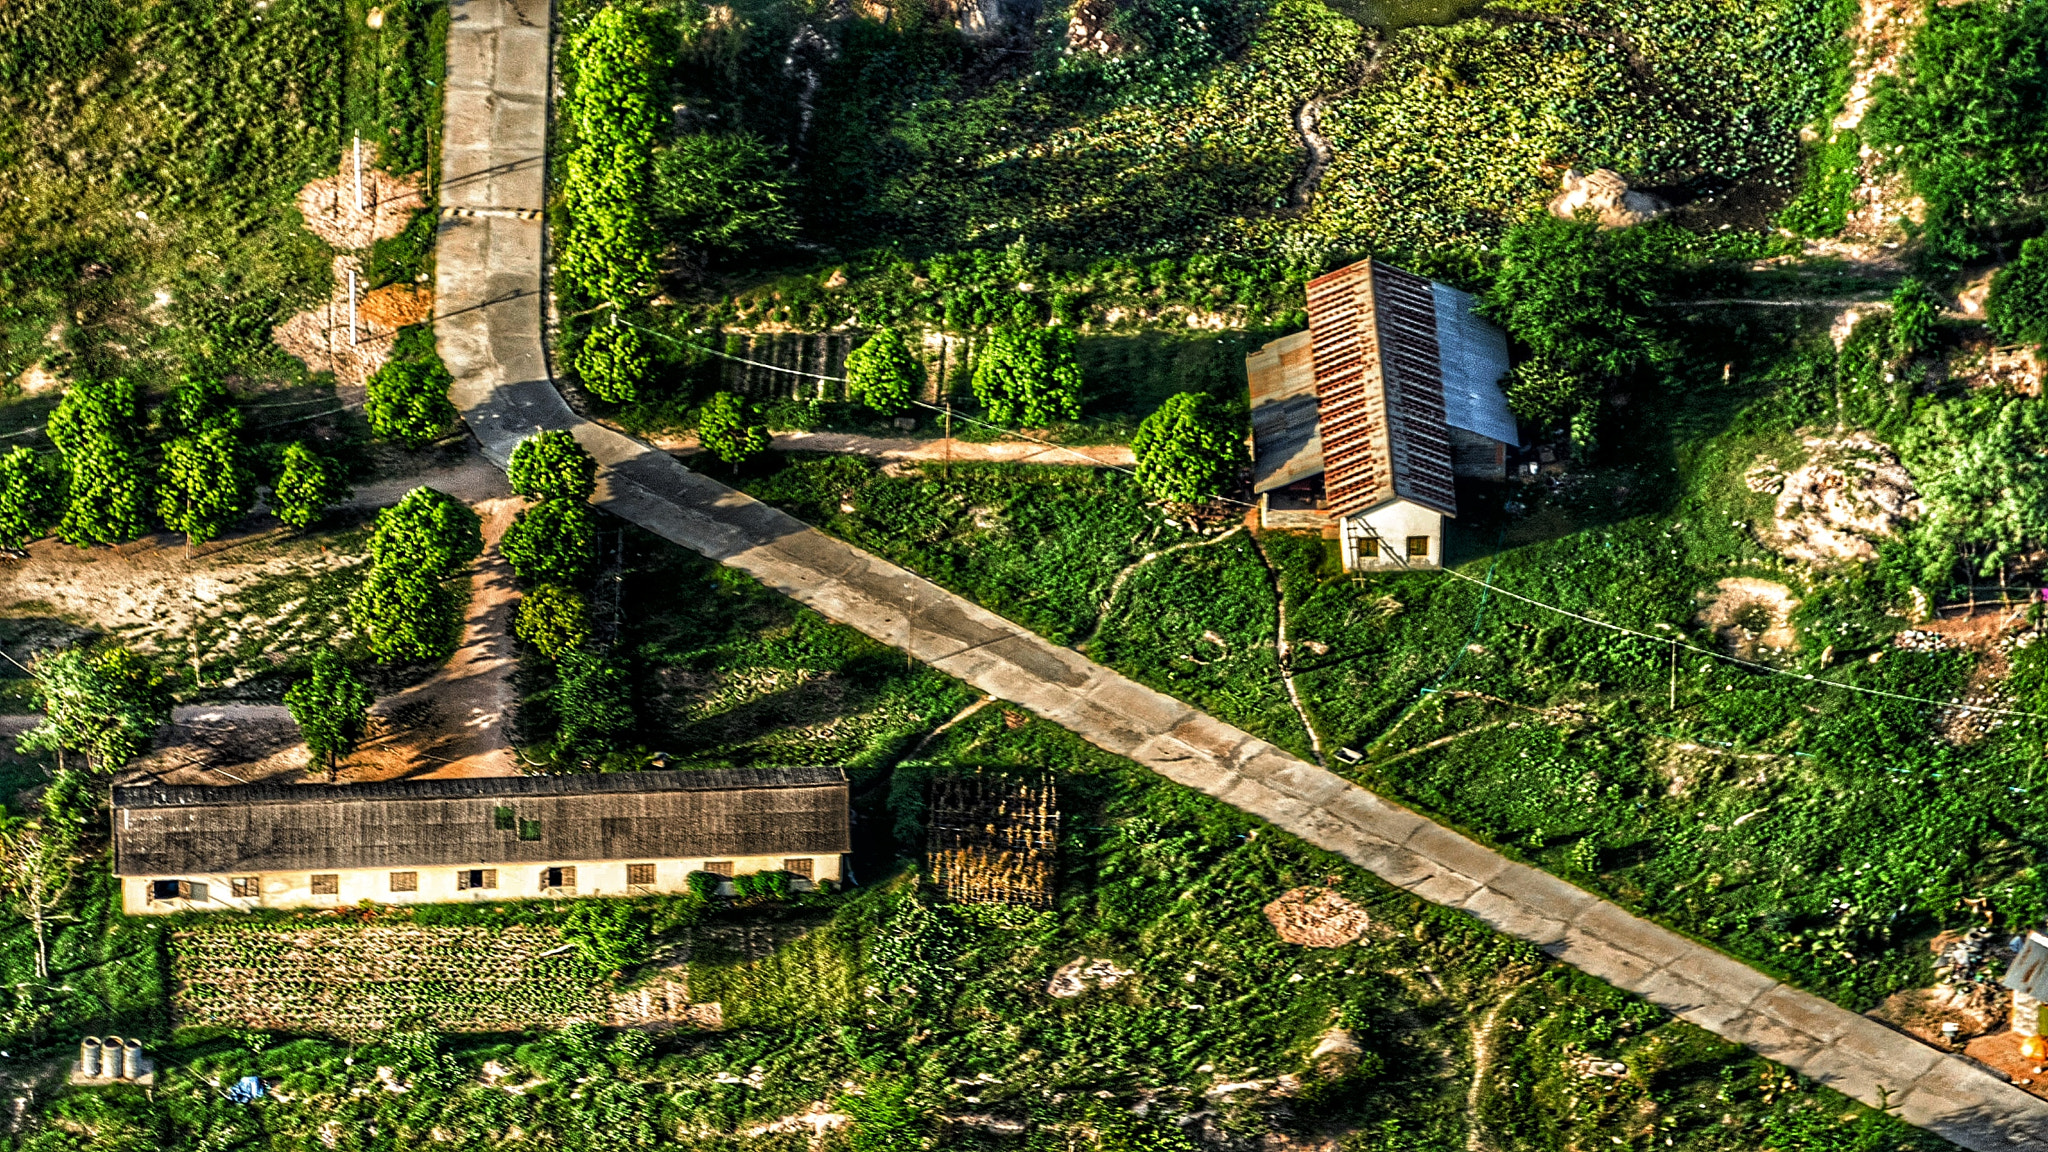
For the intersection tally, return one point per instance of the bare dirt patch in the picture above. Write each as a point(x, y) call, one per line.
point(1850, 492)
point(1750, 615)
point(1317, 918)
point(322, 339)
point(388, 204)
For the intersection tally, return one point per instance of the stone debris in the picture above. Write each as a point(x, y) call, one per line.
point(818, 1119)
point(1317, 918)
point(1088, 31)
point(1604, 193)
point(1593, 1066)
point(1850, 493)
point(1077, 975)
point(1750, 614)
point(1913, 640)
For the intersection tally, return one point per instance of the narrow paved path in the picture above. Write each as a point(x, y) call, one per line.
point(490, 335)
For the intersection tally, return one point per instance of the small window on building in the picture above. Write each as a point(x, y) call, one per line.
point(326, 884)
point(246, 887)
point(503, 819)
point(558, 877)
point(718, 867)
point(476, 878)
point(798, 866)
point(1418, 547)
point(529, 829)
point(640, 874)
point(1369, 548)
point(405, 881)
point(165, 889)
point(195, 890)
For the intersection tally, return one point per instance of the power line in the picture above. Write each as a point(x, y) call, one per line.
point(1750, 664)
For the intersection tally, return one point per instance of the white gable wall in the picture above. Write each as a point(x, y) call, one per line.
point(1393, 524)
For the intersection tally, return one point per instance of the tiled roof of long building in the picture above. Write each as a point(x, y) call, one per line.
point(1379, 388)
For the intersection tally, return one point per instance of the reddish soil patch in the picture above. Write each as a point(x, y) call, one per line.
point(2001, 1051)
point(1317, 918)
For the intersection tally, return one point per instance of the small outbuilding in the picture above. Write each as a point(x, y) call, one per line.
point(2028, 978)
point(1362, 423)
point(196, 848)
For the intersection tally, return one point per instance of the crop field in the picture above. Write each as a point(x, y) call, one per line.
point(359, 981)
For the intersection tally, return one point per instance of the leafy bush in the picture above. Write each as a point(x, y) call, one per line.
point(551, 465)
point(593, 702)
point(883, 374)
point(1190, 450)
point(428, 533)
point(724, 191)
point(307, 484)
point(409, 618)
point(407, 401)
point(607, 252)
point(105, 702)
point(1029, 376)
point(553, 619)
point(331, 707)
point(31, 496)
point(109, 495)
point(1982, 466)
point(2017, 305)
point(199, 405)
point(203, 486)
point(612, 363)
point(731, 429)
point(1583, 298)
point(553, 542)
point(705, 885)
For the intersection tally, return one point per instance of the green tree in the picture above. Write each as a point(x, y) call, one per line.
point(428, 533)
point(553, 619)
point(726, 190)
point(593, 706)
point(203, 485)
point(731, 429)
point(1029, 376)
point(38, 859)
point(2018, 304)
point(1546, 393)
point(105, 702)
point(331, 707)
point(553, 542)
point(883, 374)
point(108, 499)
point(1981, 463)
point(407, 402)
point(551, 465)
point(200, 404)
point(91, 411)
point(1585, 299)
point(408, 618)
point(608, 248)
point(1966, 116)
point(1188, 450)
point(31, 497)
point(612, 363)
point(306, 485)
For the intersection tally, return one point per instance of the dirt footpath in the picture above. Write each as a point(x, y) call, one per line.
point(909, 450)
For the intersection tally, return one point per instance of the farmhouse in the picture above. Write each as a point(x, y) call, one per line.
point(1361, 423)
point(193, 848)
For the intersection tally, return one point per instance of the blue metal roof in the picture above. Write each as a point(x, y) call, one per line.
point(1474, 357)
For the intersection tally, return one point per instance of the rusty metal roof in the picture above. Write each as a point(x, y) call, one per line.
point(1286, 443)
point(1379, 388)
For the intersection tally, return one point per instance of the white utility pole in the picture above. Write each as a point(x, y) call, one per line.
point(359, 173)
point(351, 308)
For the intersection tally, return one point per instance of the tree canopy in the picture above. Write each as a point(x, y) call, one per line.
point(883, 374)
point(613, 363)
point(92, 410)
point(428, 533)
point(408, 618)
point(306, 484)
point(331, 707)
point(1981, 463)
point(109, 494)
point(203, 486)
point(608, 248)
point(1189, 449)
point(200, 404)
point(1966, 116)
point(553, 542)
point(31, 496)
point(553, 619)
point(105, 702)
point(731, 429)
point(1029, 376)
point(593, 706)
point(2017, 305)
point(407, 402)
point(1582, 298)
point(551, 465)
